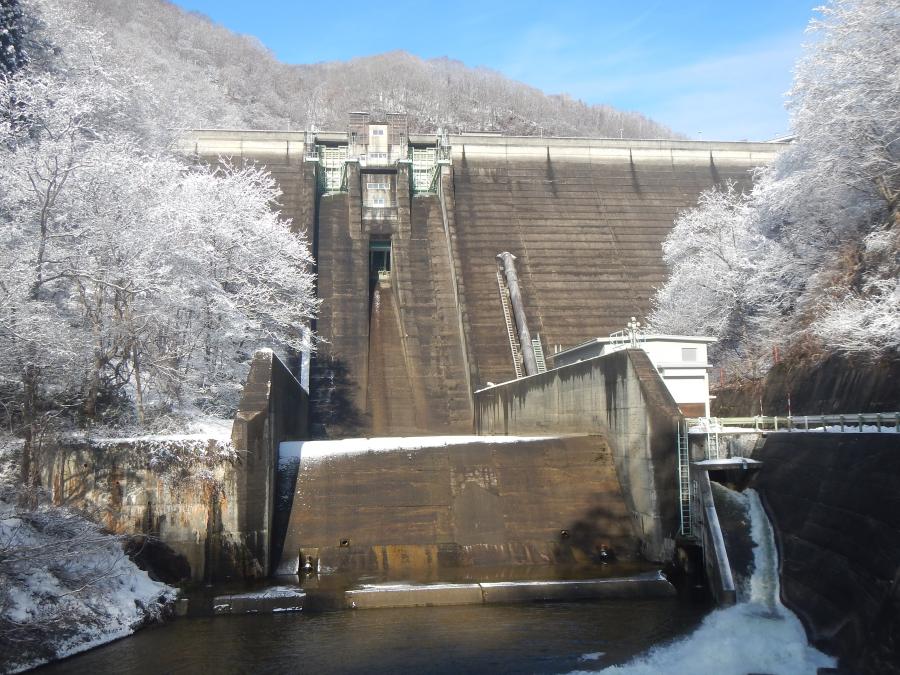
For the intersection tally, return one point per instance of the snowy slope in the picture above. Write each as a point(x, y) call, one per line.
point(65, 584)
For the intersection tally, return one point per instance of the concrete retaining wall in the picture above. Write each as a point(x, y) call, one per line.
point(833, 499)
point(215, 515)
point(202, 521)
point(406, 513)
point(838, 385)
point(620, 396)
point(273, 408)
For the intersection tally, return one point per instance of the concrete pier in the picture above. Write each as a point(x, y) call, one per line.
point(652, 585)
point(398, 595)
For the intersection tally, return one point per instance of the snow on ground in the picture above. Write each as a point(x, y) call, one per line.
point(313, 450)
point(198, 429)
point(65, 585)
point(193, 454)
point(700, 429)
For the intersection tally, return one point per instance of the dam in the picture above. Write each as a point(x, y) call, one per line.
point(583, 218)
point(449, 263)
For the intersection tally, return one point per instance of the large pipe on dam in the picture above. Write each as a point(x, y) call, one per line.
point(515, 297)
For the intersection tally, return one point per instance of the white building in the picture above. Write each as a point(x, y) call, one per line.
point(680, 360)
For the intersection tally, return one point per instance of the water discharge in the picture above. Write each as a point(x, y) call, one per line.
point(759, 634)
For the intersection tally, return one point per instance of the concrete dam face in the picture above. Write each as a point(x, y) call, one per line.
point(406, 229)
point(402, 506)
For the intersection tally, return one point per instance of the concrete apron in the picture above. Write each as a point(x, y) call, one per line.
point(380, 596)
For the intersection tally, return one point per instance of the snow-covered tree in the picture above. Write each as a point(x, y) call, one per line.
point(129, 275)
point(823, 271)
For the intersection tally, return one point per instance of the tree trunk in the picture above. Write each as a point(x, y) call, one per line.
point(139, 395)
point(29, 469)
point(90, 400)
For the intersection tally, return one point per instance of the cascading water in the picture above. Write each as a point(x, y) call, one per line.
point(757, 635)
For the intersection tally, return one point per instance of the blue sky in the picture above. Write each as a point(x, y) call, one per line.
point(712, 70)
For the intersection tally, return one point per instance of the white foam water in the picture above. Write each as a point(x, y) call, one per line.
point(758, 635)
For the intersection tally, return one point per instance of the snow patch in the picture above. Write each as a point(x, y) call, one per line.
point(273, 592)
point(736, 461)
point(199, 429)
point(68, 586)
point(593, 656)
point(317, 450)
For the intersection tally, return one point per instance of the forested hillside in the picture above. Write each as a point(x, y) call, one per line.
point(809, 261)
point(215, 78)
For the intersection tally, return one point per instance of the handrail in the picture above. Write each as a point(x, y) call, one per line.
point(883, 421)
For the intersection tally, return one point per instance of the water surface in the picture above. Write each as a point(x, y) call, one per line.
point(535, 638)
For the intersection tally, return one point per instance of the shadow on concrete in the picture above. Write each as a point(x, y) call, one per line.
point(332, 410)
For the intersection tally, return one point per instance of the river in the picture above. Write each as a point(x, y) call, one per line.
point(631, 636)
point(537, 638)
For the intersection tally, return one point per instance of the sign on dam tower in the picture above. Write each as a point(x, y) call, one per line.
point(403, 350)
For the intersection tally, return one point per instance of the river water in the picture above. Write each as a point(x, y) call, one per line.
point(538, 638)
point(631, 636)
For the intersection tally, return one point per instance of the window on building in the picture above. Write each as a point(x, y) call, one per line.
point(377, 201)
point(378, 132)
point(688, 353)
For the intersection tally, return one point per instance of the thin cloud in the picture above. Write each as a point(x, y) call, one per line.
point(731, 96)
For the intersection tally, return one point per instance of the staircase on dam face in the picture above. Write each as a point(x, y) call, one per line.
point(587, 237)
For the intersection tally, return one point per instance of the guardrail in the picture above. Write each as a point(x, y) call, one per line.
point(879, 422)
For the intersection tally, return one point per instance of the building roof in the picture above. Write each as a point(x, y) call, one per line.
point(644, 338)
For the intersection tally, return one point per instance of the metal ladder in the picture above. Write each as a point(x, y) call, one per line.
point(684, 478)
point(539, 354)
point(712, 438)
point(514, 347)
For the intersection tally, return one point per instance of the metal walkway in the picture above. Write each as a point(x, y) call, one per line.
point(872, 422)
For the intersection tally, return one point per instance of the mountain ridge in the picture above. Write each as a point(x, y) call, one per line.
point(221, 79)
